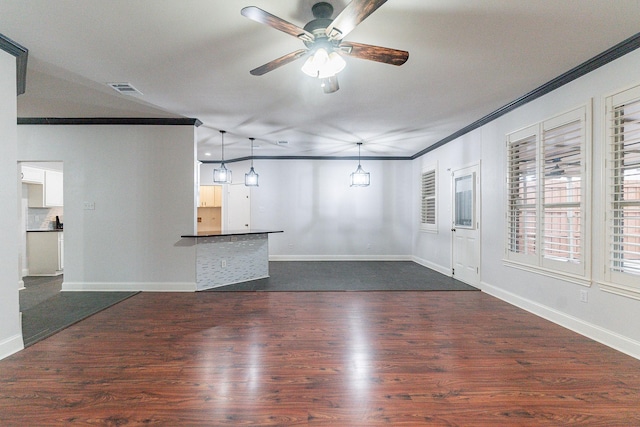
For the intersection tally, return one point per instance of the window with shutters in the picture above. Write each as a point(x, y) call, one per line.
point(547, 194)
point(522, 191)
point(623, 189)
point(428, 205)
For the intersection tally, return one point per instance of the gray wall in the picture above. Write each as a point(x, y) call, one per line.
point(323, 218)
point(142, 182)
point(10, 326)
point(610, 318)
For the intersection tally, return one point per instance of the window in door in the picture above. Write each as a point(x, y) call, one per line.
point(464, 203)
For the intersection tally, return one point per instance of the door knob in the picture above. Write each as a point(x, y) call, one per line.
point(453, 229)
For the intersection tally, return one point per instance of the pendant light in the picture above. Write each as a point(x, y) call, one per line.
point(251, 178)
point(222, 175)
point(360, 178)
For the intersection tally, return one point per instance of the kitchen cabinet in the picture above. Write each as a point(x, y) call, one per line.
point(209, 219)
point(45, 253)
point(210, 196)
point(50, 193)
point(32, 175)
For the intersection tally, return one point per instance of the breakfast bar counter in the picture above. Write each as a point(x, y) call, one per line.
point(225, 258)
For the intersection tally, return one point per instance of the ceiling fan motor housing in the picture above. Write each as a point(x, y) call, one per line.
point(322, 10)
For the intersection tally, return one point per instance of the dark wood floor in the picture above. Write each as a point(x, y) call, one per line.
point(318, 358)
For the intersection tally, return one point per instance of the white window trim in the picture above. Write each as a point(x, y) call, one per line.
point(426, 227)
point(576, 273)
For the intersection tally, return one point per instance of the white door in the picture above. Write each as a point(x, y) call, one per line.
point(465, 228)
point(238, 207)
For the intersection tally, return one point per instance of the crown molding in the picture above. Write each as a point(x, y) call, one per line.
point(109, 121)
point(363, 158)
point(609, 55)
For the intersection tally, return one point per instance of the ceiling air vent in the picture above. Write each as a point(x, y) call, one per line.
point(125, 88)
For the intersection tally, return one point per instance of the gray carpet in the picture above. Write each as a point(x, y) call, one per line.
point(46, 310)
point(350, 276)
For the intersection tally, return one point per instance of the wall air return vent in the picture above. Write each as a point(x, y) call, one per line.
point(125, 88)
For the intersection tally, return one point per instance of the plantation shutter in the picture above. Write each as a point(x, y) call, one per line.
point(563, 190)
point(624, 188)
point(522, 194)
point(429, 198)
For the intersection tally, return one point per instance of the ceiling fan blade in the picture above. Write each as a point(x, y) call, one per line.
point(374, 53)
point(355, 12)
point(283, 60)
point(264, 17)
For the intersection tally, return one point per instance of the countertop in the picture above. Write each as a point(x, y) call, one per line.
point(231, 233)
point(52, 230)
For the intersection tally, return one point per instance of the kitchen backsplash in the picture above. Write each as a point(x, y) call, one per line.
point(43, 218)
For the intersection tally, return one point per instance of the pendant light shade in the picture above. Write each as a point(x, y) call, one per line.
point(251, 178)
point(360, 178)
point(222, 175)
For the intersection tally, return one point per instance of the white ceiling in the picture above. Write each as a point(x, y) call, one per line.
point(191, 58)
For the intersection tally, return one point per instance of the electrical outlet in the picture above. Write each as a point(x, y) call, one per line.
point(223, 263)
point(89, 206)
point(584, 295)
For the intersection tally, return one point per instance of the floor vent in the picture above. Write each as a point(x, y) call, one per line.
point(125, 88)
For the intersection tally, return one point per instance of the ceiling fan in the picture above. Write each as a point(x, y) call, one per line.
point(323, 38)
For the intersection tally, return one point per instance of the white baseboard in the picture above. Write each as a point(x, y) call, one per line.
point(604, 336)
point(11, 345)
point(129, 286)
point(340, 258)
point(440, 269)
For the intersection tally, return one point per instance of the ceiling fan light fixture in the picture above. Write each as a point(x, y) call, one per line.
point(336, 63)
point(322, 64)
point(222, 175)
point(360, 178)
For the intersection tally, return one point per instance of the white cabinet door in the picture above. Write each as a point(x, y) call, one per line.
point(48, 195)
point(43, 253)
point(32, 175)
point(53, 195)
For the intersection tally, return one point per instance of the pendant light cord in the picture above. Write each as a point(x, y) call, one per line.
point(252, 139)
point(222, 132)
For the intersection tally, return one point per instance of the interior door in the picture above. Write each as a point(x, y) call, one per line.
point(465, 228)
point(238, 207)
